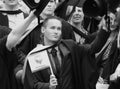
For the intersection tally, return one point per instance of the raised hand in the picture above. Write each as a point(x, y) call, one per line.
point(53, 82)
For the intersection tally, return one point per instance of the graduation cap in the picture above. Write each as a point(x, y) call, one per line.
point(39, 5)
point(95, 8)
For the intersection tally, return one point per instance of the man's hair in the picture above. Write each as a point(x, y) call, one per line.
point(49, 18)
point(4, 31)
point(44, 24)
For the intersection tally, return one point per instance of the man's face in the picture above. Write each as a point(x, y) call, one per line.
point(50, 8)
point(11, 2)
point(78, 15)
point(52, 31)
point(112, 20)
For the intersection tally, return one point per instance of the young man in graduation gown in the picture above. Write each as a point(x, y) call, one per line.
point(77, 62)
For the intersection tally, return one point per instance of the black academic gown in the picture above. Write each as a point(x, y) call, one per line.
point(84, 63)
point(4, 20)
point(111, 64)
point(8, 62)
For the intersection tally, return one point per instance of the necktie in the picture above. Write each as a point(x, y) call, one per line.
point(56, 60)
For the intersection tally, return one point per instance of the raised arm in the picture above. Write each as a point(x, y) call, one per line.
point(17, 33)
point(101, 38)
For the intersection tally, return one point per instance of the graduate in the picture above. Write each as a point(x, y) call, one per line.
point(72, 64)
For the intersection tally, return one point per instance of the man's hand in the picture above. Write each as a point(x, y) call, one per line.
point(53, 82)
point(69, 10)
point(104, 24)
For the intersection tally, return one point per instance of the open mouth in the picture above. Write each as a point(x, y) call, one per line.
point(10, 0)
point(49, 9)
point(77, 16)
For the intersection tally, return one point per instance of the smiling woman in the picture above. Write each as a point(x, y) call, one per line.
point(49, 9)
point(78, 15)
point(76, 20)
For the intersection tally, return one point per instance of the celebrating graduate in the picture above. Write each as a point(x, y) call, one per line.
point(71, 65)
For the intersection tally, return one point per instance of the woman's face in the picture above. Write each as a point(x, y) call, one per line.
point(50, 8)
point(78, 15)
point(112, 20)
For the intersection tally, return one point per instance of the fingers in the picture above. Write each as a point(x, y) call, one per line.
point(53, 82)
point(69, 10)
point(104, 24)
point(32, 13)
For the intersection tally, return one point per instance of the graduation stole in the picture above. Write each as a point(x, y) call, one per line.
point(38, 57)
point(37, 60)
point(11, 12)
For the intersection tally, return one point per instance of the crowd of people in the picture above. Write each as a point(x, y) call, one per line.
point(59, 48)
